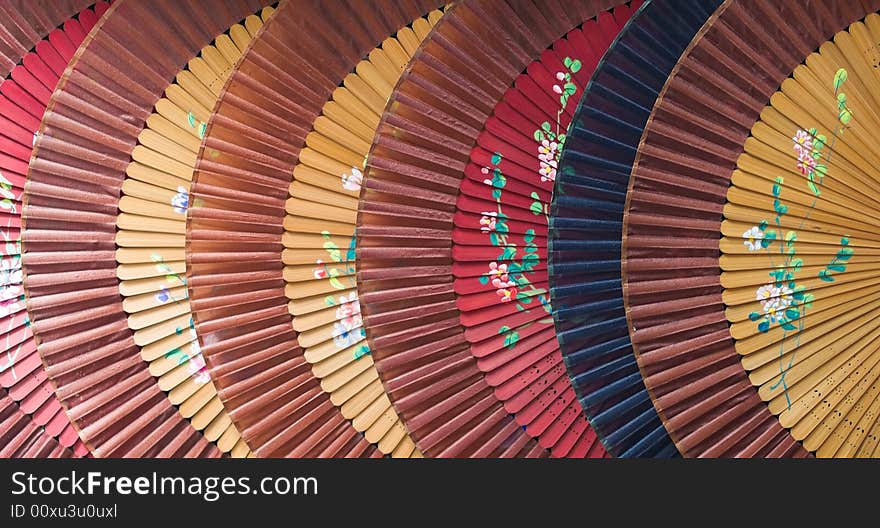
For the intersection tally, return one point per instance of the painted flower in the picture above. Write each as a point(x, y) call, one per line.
point(348, 307)
point(9, 307)
point(321, 271)
point(498, 271)
point(352, 182)
point(487, 222)
point(560, 76)
point(180, 201)
point(506, 290)
point(10, 278)
point(774, 300)
point(753, 238)
point(196, 365)
point(803, 141)
point(557, 89)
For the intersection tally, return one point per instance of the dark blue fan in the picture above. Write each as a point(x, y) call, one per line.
point(586, 219)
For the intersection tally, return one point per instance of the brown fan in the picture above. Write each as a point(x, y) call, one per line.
point(85, 147)
point(38, 40)
point(152, 235)
point(277, 170)
point(415, 322)
point(695, 146)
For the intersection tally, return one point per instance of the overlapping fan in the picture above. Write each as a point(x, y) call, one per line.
point(586, 224)
point(801, 244)
point(797, 240)
point(152, 235)
point(319, 241)
point(500, 239)
point(302, 108)
point(424, 334)
point(36, 53)
point(89, 132)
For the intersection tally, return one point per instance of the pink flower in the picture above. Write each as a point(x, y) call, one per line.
point(320, 272)
point(557, 89)
point(803, 141)
point(560, 76)
point(488, 222)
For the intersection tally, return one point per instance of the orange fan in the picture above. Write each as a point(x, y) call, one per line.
point(90, 131)
point(279, 330)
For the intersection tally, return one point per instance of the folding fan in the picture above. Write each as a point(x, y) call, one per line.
point(586, 219)
point(38, 42)
point(319, 241)
point(499, 241)
point(152, 235)
point(465, 369)
point(783, 315)
point(302, 105)
point(89, 132)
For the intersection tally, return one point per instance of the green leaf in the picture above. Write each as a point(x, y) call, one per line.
point(791, 236)
point(496, 194)
point(837, 267)
point(845, 116)
point(501, 227)
point(484, 280)
point(202, 128)
point(567, 62)
point(546, 126)
point(493, 238)
point(797, 264)
point(839, 78)
point(813, 188)
point(808, 298)
point(539, 136)
point(529, 236)
point(569, 88)
point(764, 326)
point(496, 158)
point(754, 316)
point(825, 276)
point(535, 196)
point(536, 208)
point(575, 66)
point(329, 300)
point(788, 326)
point(822, 170)
point(336, 284)
point(776, 190)
point(844, 241)
point(191, 119)
point(771, 234)
point(793, 314)
point(841, 99)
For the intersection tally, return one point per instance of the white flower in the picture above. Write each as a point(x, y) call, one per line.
point(180, 201)
point(774, 300)
point(352, 182)
point(753, 238)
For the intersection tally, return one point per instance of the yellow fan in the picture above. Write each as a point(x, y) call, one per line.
point(801, 245)
point(319, 241)
point(152, 235)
